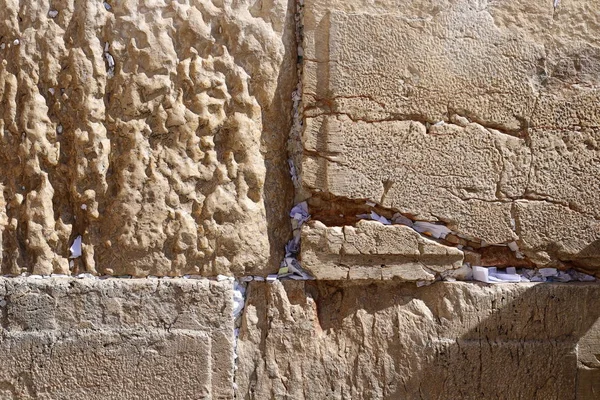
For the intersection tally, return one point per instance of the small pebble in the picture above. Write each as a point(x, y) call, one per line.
point(52, 13)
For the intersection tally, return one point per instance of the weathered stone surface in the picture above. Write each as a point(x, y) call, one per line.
point(95, 339)
point(445, 341)
point(374, 251)
point(517, 99)
point(588, 362)
point(171, 161)
point(431, 173)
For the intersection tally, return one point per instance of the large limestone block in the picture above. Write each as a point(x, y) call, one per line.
point(476, 114)
point(490, 62)
point(96, 339)
point(153, 129)
point(307, 340)
point(103, 365)
point(371, 250)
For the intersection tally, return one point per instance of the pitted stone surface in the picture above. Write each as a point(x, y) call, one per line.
point(464, 112)
point(96, 339)
point(307, 340)
point(170, 161)
point(374, 251)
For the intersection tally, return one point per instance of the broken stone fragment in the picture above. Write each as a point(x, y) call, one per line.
point(371, 250)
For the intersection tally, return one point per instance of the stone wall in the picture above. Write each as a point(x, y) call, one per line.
point(151, 151)
point(481, 116)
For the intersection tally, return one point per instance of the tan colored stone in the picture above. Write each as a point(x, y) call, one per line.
point(460, 112)
point(555, 231)
point(372, 59)
point(166, 165)
point(106, 364)
point(381, 63)
point(565, 168)
point(372, 250)
point(450, 173)
point(307, 340)
point(115, 338)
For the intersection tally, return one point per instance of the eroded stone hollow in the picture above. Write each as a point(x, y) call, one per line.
point(153, 130)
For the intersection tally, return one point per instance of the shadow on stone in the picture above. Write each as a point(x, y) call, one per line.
point(589, 257)
point(277, 119)
point(397, 341)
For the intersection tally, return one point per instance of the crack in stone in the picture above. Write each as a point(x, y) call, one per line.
point(334, 210)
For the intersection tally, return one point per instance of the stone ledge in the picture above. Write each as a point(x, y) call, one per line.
point(372, 250)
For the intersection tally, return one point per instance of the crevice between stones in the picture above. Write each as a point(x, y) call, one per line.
point(334, 210)
point(238, 306)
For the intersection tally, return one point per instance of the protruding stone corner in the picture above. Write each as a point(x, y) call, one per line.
point(371, 250)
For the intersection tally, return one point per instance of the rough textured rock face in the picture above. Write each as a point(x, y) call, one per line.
point(157, 137)
point(148, 129)
point(445, 341)
point(135, 339)
point(480, 115)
